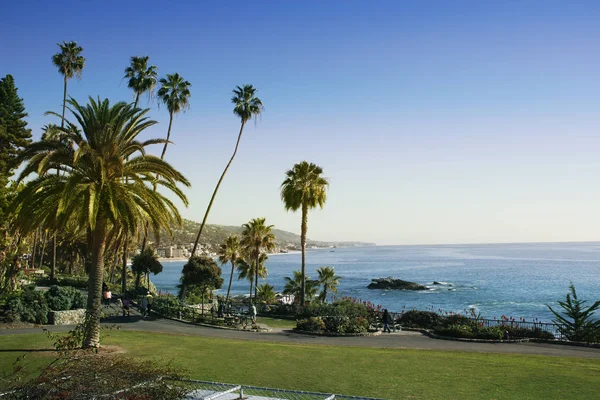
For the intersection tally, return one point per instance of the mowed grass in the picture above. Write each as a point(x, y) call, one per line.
point(386, 373)
point(276, 322)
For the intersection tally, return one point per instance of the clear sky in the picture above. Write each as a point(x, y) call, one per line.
point(436, 121)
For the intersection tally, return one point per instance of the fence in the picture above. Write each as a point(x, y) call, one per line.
point(203, 390)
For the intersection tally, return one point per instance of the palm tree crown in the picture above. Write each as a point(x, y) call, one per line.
point(69, 61)
point(304, 186)
point(328, 280)
point(141, 78)
point(246, 104)
point(175, 93)
point(107, 184)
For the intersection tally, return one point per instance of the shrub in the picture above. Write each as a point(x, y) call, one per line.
point(456, 319)
point(490, 333)
point(167, 305)
point(419, 319)
point(312, 324)
point(460, 331)
point(28, 306)
point(63, 298)
point(357, 325)
point(535, 333)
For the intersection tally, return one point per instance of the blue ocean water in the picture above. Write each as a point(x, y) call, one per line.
point(516, 280)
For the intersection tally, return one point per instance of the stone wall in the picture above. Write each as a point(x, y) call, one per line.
point(71, 317)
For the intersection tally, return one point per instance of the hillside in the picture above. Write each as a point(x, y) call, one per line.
point(214, 235)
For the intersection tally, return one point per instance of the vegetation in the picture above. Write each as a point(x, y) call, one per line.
point(30, 305)
point(141, 78)
point(294, 286)
point(576, 322)
point(341, 317)
point(202, 273)
point(246, 107)
point(145, 263)
point(14, 137)
point(229, 251)
point(257, 240)
point(426, 374)
point(304, 188)
point(63, 298)
point(93, 189)
point(266, 294)
point(328, 280)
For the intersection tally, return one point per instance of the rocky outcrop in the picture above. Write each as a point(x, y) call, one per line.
point(71, 317)
point(395, 284)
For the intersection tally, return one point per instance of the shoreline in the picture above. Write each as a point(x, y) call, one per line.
point(178, 259)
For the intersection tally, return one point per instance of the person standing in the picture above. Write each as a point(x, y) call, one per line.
point(150, 301)
point(143, 306)
point(386, 321)
point(253, 313)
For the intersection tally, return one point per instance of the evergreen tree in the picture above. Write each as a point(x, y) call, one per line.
point(14, 135)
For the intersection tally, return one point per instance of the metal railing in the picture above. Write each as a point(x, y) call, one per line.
point(205, 390)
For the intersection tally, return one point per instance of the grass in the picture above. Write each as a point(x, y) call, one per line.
point(387, 373)
point(276, 322)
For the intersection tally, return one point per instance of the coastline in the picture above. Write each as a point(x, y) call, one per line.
point(178, 259)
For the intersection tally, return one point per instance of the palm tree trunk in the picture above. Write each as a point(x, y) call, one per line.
point(162, 156)
point(256, 278)
point(44, 237)
point(137, 98)
point(250, 298)
point(53, 268)
point(124, 266)
point(92, 324)
point(212, 199)
point(35, 239)
point(62, 122)
point(230, 280)
point(71, 262)
point(303, 229)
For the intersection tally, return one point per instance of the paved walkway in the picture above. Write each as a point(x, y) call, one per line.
point(398, 340)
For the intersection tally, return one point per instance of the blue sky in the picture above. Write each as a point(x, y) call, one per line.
point(436, 121)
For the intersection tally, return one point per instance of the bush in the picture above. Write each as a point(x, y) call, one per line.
point(535, 333)
point(459, 331)
point(357, 325)
point(28, 306)
point(490, 333)
point(420, 319)
point(456, 319)
point(167, 305)
point(63, 298)
point(312, 324)
point(341, 317)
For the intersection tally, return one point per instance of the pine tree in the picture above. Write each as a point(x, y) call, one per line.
point(14, 135)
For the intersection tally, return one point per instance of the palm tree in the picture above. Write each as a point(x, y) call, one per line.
point(229, 251)
point(70, 63)
point(141, 78)
point(175, 93)
point(297, 284)
point(257, 240)
point(245, 271)
point(266, 293)
point(246, 107)
point(328, 280)
point(304, 188)
point(93, 190)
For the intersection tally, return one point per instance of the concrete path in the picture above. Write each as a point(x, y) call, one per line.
point(398, 340)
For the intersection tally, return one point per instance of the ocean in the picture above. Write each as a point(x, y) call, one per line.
point(514, 280)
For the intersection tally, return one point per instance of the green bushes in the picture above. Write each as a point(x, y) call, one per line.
point(472, 332)
point(341, 317)
point(28, 306)
point(420, 319)
point(32, 305)
point(63, 298)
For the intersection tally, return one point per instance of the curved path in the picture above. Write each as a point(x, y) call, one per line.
point(399, 340)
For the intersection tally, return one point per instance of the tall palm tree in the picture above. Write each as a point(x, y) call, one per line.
point(246, 270)
point(328, 280)
point(257, 240)
point(304, 188)
point(175, 93)
point(229, 251)
point(141, 78)
point(246, 107)
point(70, 63)
point(93, 190)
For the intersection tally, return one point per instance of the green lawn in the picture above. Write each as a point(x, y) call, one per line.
point(387, 373)
point(277, 323)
